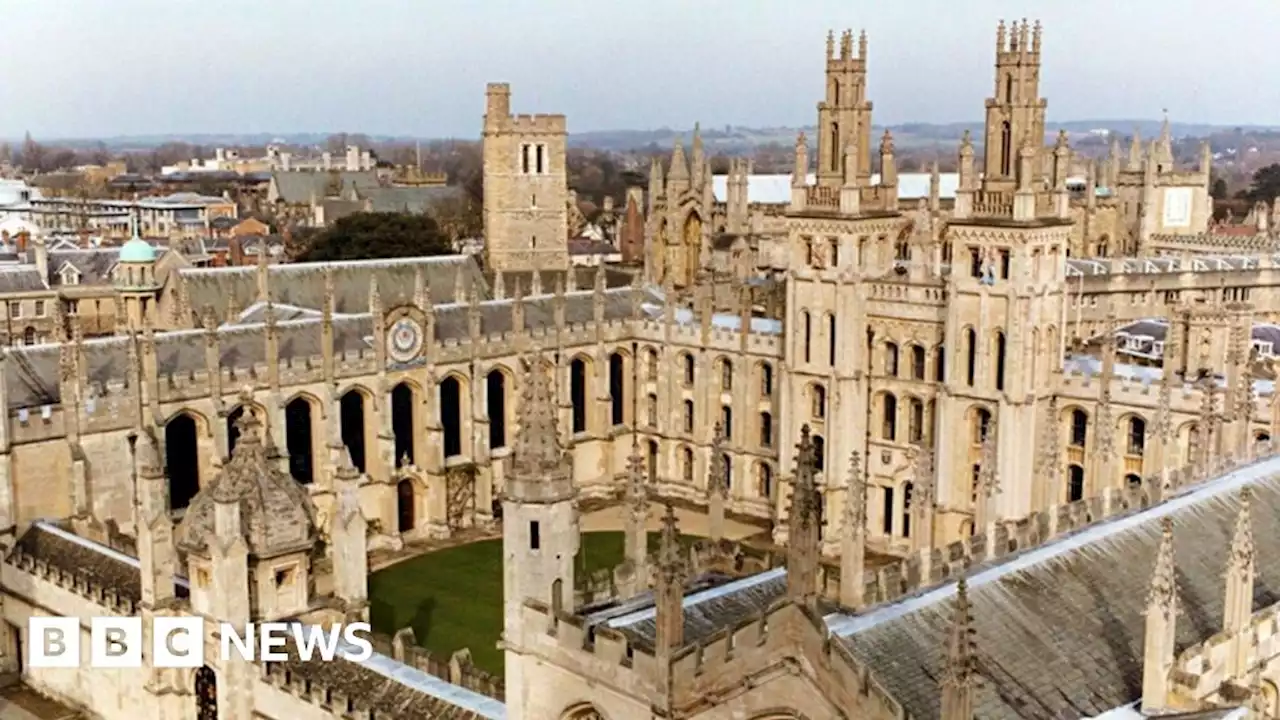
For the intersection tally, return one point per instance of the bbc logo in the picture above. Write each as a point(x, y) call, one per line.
point(115, 642)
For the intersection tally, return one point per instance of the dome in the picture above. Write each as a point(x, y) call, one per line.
point(276, 513)
point(137, 250)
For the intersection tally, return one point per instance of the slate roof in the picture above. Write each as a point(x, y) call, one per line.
point(94, 264)
point(102, 567)
point(409, 199)
point(297, 187)
point(1059, 628)
point(21, 278)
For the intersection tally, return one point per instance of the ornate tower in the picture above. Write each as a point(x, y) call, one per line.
point(526, 187)
point(1015, 114)
point(844, 116)
point(135, 280)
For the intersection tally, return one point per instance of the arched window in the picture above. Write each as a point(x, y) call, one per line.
point(835, 147)
point(351, 413)
point(917, 362)
point(402, 425)
point(887, 512)
point(651, 409)
point(940, 364)
point(766, 480)
point(728, 470)
point(687, 360)
point(889, 428)
point(688, 416)
point(653, 461)
point(233, 429)
point(806, 323)
point(578, 393)
point(617, 390)
point(819, 452)
point(651, 363)
point(1000, 348)
point(766, 380)
point(686, 464)
point(1075, 483)
point(206, 692)
point(971, 341)
point(726, 421)
point(819, 402)
point(981, 422)
point(1079, 428)
point(766, 429)
point(451, 416)
point(298, 440)
point(1006, 147)
point(915, 421)
point(1137, 436)
point(496, 406)
point(405, 505)
point(29, 336)
point(726, 375)
point(181, 463)
point(891, 359)
point(831, 339)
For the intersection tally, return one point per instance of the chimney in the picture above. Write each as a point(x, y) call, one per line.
point(24, 237)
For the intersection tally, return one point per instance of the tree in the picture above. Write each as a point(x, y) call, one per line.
point(1266, 184)
point(362, 236)
point(1218, 190)
point(33, 154)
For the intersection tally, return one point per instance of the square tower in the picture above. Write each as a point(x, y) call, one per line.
point(526, 187)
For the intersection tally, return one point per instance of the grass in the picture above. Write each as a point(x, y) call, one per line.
point(452, 598)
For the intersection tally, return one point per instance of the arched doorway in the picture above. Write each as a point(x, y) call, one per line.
point(402, 423)
point(451, 416)
point(206, 694)
point(496, 405)
point(181, 460)
point(297, 438)
point(351, 410)
point(404, 505)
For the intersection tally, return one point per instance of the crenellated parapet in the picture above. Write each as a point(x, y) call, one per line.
point(1202, 669)
point(108, 597)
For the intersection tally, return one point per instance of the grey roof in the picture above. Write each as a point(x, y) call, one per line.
point(710, 611)
point(302, 284)
point(94, 264)
point(1153, 328)
point(1059, 628)
point(408, 199)
point(297, 187)
point(21, 278)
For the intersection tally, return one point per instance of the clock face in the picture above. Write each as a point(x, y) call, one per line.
point(404, 340)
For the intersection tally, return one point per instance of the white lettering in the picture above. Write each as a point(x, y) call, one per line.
point(177, 642)
point(363, 648)
point(115, 642)
point(55, 642)
point(273, 635)
point(308, 637)
point(244, 645)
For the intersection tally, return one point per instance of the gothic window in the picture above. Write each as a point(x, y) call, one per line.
point(728, 470)
point(808, 252)
point(181, 465)
point(402, 423)
point(688, 416)
point(524, 158)
point(617, 390)
point(726, 421)
point(908, 490)
point(1008, 88)
point(917, 362)
point(831, 339)
point(835, 146)
point(1006, 148)
point(726, 375)
point(766, 380)
point(972, 338)
point(975, 262)
point(652, 410)
point(686, 464)
point(1075, 483)
point(450, 417)
point(766, 480)
point(578, 393)
point(496, 405)
point(29, 336)
point(902, 251)
point(981, 423)
point(1004, 264)
point(806, 323)
point(541, 159)
point(887, 514)
point(653, 461)
point(687, 360)
point(1079, 428)
point(835, 253)
point(297, 436)
point(915, 421)
point(889, 429)
point(891, 359)
point(766, 429)
point(1137, 436)
point(1000, 350)
point(819, 453)
point(651, 361)
point(819, 402)
point(206, 692)
point(233, 428)
point(940, 364)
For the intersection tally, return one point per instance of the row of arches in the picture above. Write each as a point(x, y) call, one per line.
point(806, 340)
point(913, 364)
point(763, 471)
point(725, 367)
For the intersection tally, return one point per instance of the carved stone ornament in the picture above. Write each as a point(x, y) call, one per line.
point(404, 339)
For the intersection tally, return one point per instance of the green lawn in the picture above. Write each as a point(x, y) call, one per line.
point(453, 598)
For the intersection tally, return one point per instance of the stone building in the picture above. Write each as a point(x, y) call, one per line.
point(998, 443)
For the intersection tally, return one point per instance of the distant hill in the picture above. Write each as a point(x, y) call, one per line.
point(727, 139)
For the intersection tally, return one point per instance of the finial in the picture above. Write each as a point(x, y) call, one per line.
point(1242, 547)
point(886, 142)
point(669, 540)
point(831, 44)
point(961, 655)
point(1163, 596)
point(862, 45)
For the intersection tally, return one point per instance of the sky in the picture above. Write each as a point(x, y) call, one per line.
point(97, 68)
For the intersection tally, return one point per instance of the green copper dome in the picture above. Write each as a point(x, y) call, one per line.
point(137, 250)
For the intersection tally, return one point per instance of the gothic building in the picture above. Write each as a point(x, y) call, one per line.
point(972, 442)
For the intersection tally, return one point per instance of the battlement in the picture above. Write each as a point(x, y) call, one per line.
point(79, 583)
point(913, 573)
point(1020, 40)
point(1203, 668)
point(598, 645)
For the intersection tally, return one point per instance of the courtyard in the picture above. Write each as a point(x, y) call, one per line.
point(452, 598)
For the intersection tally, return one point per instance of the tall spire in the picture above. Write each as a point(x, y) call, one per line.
point(803, 525)
point(1162, 608)
point(960, 677)
point(637, 515)
point(539, 459)
point(1241, 570)
point(669, 588)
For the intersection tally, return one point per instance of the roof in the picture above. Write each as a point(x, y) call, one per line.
point(1059, 628)
point(137, 250)
point(21, 278)
point(775, 189)
point(408, 199)
point(93, 264)
point(297, 187)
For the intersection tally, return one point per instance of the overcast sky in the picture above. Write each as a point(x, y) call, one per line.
point(83, 68)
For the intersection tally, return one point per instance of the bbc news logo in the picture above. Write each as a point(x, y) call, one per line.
point(178, 642)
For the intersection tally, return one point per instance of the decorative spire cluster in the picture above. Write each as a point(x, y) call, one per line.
point(1241, 558)
point(962, 660)
point(1163, 596)
point(855, 505)
point(718, 482)
point(537, 451)
point(637, 479)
